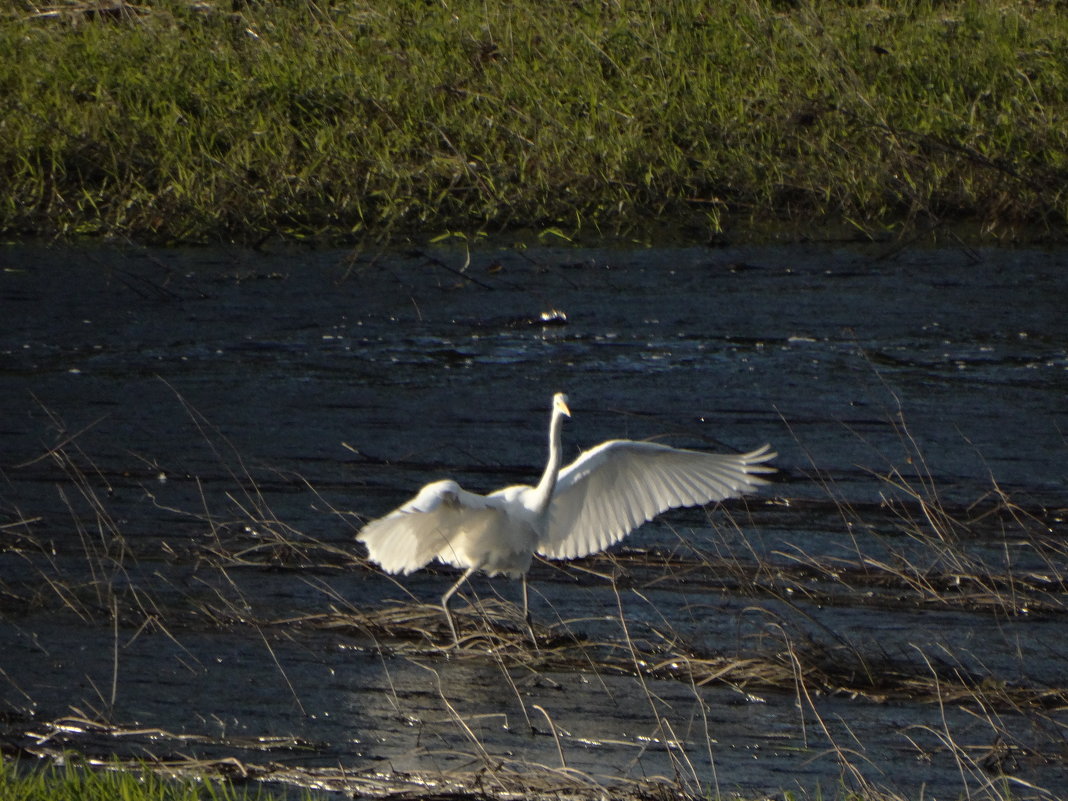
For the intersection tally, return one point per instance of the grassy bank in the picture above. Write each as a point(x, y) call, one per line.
point(52, 783)
point(179, 120)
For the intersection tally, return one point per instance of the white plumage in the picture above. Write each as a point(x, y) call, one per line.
point(587, 506)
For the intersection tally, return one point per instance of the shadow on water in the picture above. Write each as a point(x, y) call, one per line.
point(191, 440)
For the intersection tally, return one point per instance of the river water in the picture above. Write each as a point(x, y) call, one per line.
point(191, 438)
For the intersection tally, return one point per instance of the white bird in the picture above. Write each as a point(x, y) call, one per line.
point(594, 502)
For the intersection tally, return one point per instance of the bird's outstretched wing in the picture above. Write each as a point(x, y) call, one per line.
point(612, 489)
point(425, 527)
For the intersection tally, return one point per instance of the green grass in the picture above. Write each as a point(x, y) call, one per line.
point(79, 784)
point(196, 121)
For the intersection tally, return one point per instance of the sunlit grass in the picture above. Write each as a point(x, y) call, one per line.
point(177, 120)
point(54, 783)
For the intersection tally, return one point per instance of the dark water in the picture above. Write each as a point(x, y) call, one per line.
point(203, 408)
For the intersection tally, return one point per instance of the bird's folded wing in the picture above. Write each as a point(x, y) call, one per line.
point(612, 489)
point(424, 528)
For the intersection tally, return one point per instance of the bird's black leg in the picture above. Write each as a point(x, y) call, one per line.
point(526, 613)
point(445, 602)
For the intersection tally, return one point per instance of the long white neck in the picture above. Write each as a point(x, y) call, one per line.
point(543, 493)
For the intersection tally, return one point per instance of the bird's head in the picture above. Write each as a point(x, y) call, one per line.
point(560, 404)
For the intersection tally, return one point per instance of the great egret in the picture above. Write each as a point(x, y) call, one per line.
point(587, 506)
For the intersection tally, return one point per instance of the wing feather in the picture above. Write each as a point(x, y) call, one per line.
point(426, 527)
point(612, 489)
